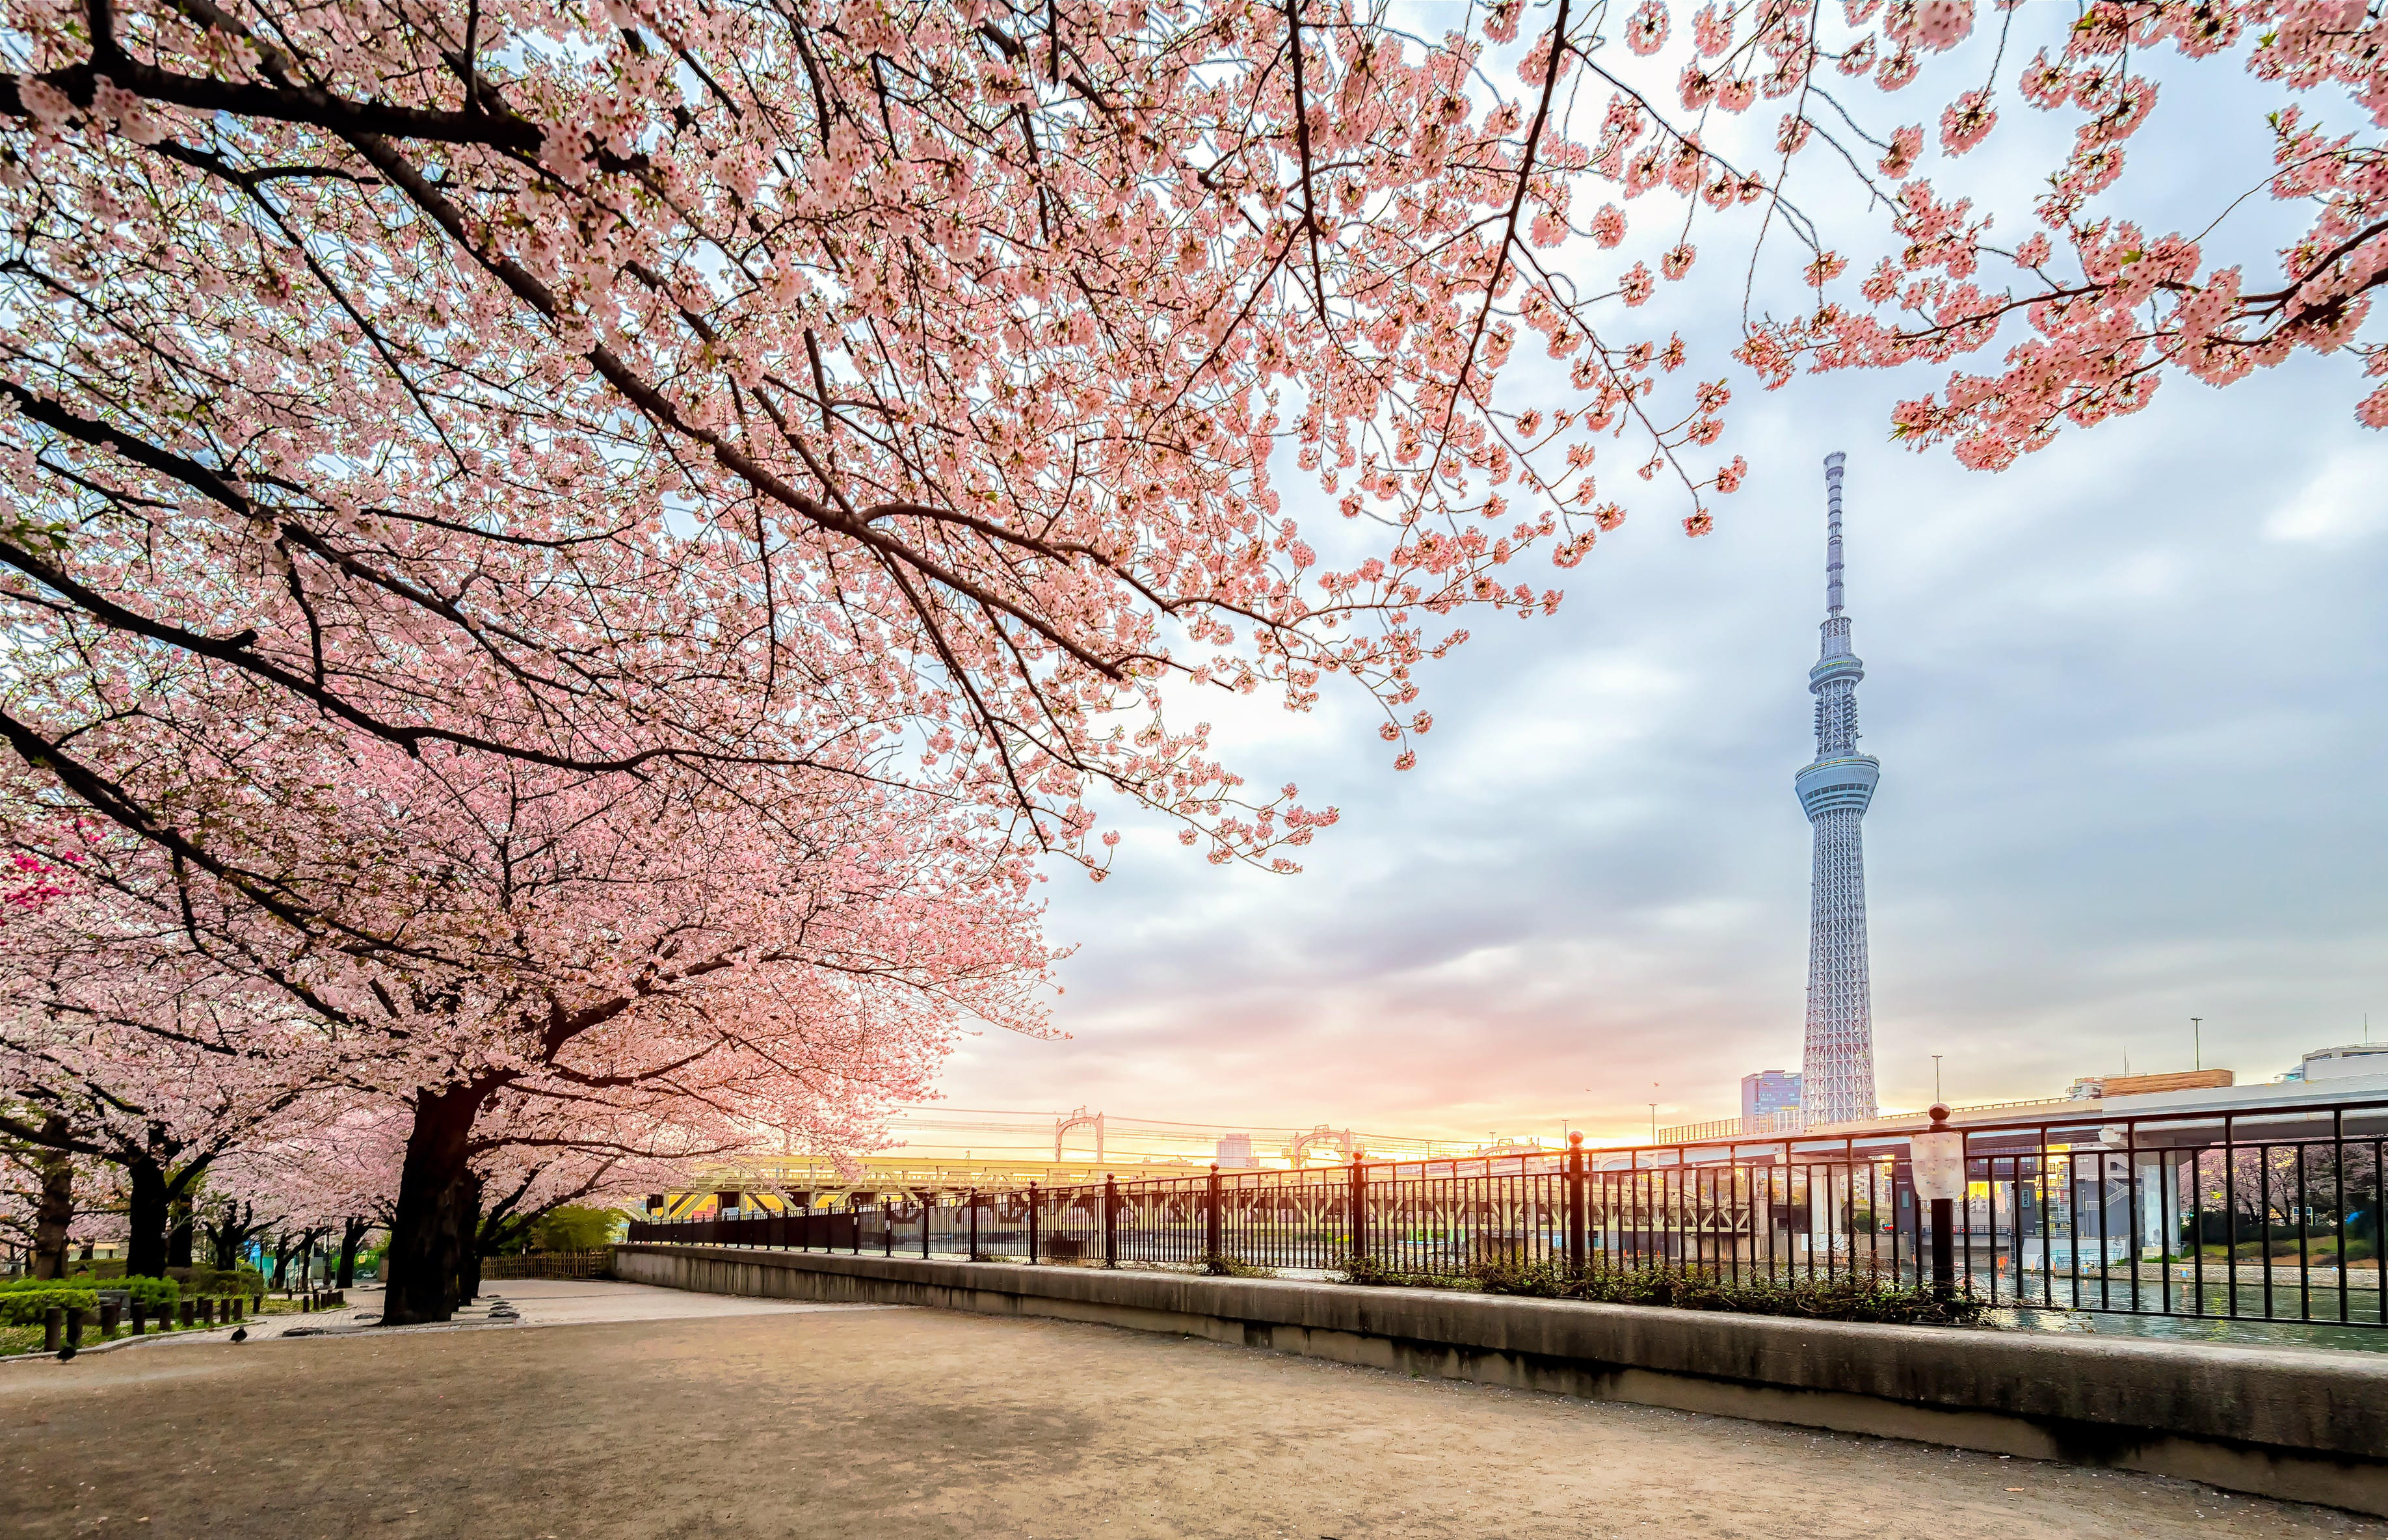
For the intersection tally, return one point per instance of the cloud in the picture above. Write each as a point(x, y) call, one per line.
point(2342, 503)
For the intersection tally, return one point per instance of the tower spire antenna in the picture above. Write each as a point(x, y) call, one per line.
point(1832, 464)
point(1836, 1068)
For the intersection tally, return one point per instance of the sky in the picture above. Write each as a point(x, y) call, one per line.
point(2128, 697)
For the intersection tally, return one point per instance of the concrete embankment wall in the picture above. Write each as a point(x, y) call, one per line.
point(2304, 1424)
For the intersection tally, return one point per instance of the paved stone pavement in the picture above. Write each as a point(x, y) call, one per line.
point(538, 1301)
point(780, 1421)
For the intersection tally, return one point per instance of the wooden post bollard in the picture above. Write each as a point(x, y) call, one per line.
point(189, 1312)
point(140, 1315)
point(257, 1305)
point(236, 1308)
point(53, 1330)
point(109, 1316)
point(74, 1325)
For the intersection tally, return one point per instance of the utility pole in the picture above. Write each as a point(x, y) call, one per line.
point(1936, 1077)
point(2197, 1042)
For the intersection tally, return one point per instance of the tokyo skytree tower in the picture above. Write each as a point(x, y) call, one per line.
point(1836, 1068)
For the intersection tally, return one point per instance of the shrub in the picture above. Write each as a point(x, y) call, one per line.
point(1218, 1264)
point(1369, 1272)
point(1866, 1297)
point(23, 1306)
point(150, 1293)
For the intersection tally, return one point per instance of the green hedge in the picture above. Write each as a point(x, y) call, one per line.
point(218, 1283)
point(150, 1293)
point(24, 1306)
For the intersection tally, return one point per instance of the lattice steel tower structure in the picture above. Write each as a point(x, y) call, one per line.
point(1836, 1068)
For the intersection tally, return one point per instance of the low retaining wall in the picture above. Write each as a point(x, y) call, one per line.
point(2306, 1425)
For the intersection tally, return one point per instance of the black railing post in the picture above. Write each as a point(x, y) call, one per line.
point(1031, 1224)
point(1214, 1244)
point(1575, 1203)
point(973, 1214)
point(928, 1203)
point(1357, 1205)
point(1111, 1220)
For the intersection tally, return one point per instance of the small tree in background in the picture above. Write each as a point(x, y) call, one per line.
point(575, 1228)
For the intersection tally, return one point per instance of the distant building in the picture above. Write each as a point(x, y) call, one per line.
point(2090, 1087)
point(1771, 1091)
point(1235, 1152)
point(2337, 1063)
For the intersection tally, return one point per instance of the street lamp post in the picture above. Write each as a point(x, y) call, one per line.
point(1936, 1077)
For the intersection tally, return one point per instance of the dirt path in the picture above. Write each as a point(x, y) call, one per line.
point(889, 1423)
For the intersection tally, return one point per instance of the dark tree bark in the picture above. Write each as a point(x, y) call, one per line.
point(145, 1218)
point(53, 1214)
point(231, 1226)
point(468, 1280)
point(432, 1232)
point(353, 1231)
point(178, 1238)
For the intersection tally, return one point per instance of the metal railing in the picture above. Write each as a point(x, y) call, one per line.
point(2273, 1214)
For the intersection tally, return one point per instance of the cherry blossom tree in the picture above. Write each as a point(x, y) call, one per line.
point(485, 374)
point(2098, 308)
point(37, 1195)
point(543, 966)
point(118, 1051)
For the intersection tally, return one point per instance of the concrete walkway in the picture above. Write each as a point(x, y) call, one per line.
point(803, 1421)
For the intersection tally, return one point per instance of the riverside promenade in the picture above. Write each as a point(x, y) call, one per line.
point(715, 1417)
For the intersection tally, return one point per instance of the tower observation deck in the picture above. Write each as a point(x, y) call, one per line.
point(1837, 1063)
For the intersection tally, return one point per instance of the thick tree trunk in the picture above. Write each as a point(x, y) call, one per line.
point(178, 1238)
point(431, 1233)
point(282, 1249)
point(224, 1237)
point(146, 1220)
point(468, 1281)
point(353, 1235)
point(54, 1213)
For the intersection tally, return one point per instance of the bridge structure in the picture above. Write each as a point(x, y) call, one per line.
point(941, 1153)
